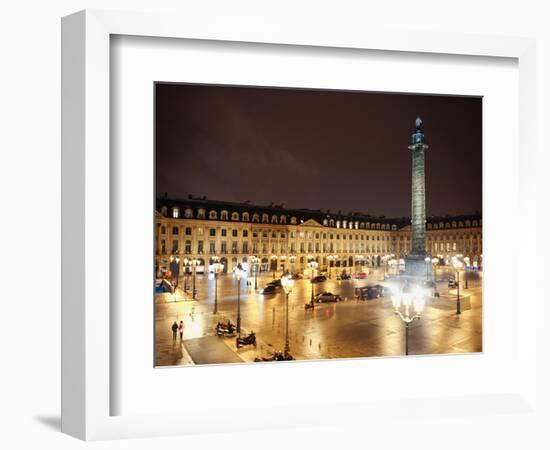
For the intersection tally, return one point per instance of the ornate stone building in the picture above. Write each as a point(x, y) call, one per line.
point(286, 239)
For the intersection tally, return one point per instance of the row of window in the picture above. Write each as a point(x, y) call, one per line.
point(274, 219)
point(265, 234)
point(282, 248)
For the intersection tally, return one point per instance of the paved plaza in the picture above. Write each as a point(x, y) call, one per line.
point(348, 329)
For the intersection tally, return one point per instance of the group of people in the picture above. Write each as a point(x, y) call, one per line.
point(177, 328)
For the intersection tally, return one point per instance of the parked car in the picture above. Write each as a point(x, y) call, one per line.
point(361, 276)
point(370, 292)
point(344, 276)
point(269, 289)
point(319, 279)
point(276, 283)
point(326, 297)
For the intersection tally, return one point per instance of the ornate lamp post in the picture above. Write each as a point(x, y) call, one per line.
point(330, 259)
point(273, 258)
point(466, 270)
point(238, 275)
point(427, 260)
point(385, 260)
point(435, 262)
point(312, 265)
point(292, 259)
point(254, 260)
point(458, 266)
point(217, 267)
point(402, 302)
point(287, 283)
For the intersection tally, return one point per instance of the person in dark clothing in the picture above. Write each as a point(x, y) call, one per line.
point(174, 330)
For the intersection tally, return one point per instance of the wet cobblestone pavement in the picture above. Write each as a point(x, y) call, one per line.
point(347, 329)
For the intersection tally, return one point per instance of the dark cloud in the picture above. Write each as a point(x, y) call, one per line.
point(316, 149)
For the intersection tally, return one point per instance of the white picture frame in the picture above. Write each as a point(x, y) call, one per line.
point(86, 243)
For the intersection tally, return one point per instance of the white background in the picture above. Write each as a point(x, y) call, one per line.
point(141, 389)
point(30, 139)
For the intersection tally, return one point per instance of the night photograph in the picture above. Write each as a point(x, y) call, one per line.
point(302, 224)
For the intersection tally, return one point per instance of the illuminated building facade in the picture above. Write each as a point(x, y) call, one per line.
point(286, 239)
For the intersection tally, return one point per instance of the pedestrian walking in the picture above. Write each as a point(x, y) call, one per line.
point(174, 330)
point(181, 328)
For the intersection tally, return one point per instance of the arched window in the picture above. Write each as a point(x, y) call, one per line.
point(293, 220)
point(394, 227)
point(283, 219)
point(234, 216)
point(454, 224)
point(255, 217)
point(429, 226)
point(362, 225)
point(337, 224)
point(201, 214)
point(331, 222)
point(356, 224)
point(265, 218)
point(441, 225)
point(212, 215)
point(468, 223)
point(377, 226)
point(273, 219)
point(246, 216)
point(325, 222)
point(188, 213)
point(474, 223)
point(164, 211)
point(175, 213)
point(224, 215)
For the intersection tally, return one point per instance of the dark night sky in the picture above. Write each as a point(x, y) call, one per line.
point(315, 148)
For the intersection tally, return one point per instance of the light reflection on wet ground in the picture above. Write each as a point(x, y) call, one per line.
point(350, 328)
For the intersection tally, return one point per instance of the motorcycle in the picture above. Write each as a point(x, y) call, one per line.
point(277, 356)
point(225, 329)
point(246, 340)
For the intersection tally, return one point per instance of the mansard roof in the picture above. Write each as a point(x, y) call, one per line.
point(302, 215)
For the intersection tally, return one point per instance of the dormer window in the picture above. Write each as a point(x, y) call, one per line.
point(212, 215)
point(255, 217)
point(201, 214)
point(224, 215)
point(188, 213)
point(246, 217)
point(234, 216)
point(175, 213)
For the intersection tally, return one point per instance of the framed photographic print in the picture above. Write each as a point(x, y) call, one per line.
point(246, 213)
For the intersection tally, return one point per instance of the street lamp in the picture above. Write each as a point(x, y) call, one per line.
point(193, 263)
point(402, 302)
point(466, 270)
point(287, 283)
point(254, 260)
point(330, 259)
point(217, 267)
point(427, 260)
point(435, 261)
point(458, 266)
point(312, 265)
point(385, 259)
point(292, 259)
point(238, 275)
point(273, 258)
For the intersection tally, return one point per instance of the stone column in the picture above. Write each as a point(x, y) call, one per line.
point(415, 266)
point(418, 200)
